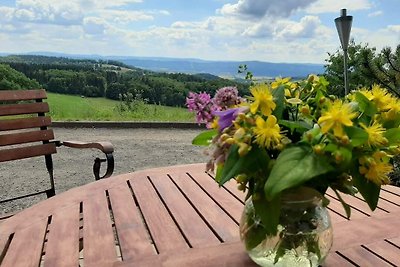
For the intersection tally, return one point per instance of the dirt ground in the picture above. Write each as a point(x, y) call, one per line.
point(135, 149)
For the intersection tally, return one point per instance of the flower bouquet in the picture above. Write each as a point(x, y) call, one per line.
point(288, 135)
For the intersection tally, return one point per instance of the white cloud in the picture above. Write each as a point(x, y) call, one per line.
point(394, 28)
point(330, 6)
point(124, 16)
point(103, 4)
point(6, 13)
point(306, 28)
point(259, 8)
point(260, 30)
point(375, 14)
point(94, 26)
point(389, 36)
point(47, 11)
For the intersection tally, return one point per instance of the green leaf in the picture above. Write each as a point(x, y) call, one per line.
point(301, 126)
point(344, 204)
point(369, 190)
point(279, 99)
point(255, 232)
point(255, 160)
point(255, 236)
point(366, 106)
point(269, 212)
point(346, 156)
point(219, 172)
point(357, 135)
point(281, 249)
point(392, 135)
point(293, 167)
point(204, 138)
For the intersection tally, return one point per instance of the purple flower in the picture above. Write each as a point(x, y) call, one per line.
point(226, 97)
point(202, 105)
point(226, 117)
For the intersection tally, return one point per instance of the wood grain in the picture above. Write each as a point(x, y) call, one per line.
point(27, 152)
point(63, 238)
point(16, 95)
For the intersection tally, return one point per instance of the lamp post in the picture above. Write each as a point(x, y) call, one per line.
point(343, 26)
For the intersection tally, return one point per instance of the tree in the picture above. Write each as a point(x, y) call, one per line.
point(12, 79)
point(383, 68)
point(366, 67)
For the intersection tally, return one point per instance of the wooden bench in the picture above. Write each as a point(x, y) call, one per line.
point(25, 133)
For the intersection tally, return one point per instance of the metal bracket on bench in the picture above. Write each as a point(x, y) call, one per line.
point(110, 166)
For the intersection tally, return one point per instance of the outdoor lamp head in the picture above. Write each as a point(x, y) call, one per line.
point(343, 26)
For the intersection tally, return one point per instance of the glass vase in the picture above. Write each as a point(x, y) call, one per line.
point(304, 235)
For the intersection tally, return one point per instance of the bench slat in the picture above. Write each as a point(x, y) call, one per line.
point(24, 123)
point(26, 137)
point(27, 152)
point(16, 95)
point(19, 109)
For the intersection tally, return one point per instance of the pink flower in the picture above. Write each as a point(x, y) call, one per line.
point(227, 97)
point(202, 105)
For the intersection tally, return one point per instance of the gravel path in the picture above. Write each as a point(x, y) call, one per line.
point(135, 149)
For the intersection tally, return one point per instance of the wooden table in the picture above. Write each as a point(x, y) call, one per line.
point(175, 216)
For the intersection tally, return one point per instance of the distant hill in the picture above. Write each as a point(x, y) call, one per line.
point(224, 68)
point(194, 66)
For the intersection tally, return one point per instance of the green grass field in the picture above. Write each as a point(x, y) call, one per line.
point(75, 108)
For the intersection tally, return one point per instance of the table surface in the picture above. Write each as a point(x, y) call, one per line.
point(176, 216)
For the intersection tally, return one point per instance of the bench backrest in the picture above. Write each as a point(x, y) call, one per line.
point(23, 125)
point(24, 133)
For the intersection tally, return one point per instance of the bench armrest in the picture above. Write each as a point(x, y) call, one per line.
point(106, 147)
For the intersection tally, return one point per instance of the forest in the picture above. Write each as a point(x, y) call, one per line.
point(108, 78)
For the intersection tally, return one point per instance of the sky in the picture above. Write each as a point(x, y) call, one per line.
point(293, 31)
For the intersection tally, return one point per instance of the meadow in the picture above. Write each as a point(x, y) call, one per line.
point(76, 108)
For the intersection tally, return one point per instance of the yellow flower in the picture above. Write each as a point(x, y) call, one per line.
point(375, 134)
point(267, 132)
point(393, 107)
point(214, 124)
point(263, 100)
point(380, 97)
point(337, 116)
point(376, 168)
point(366, 93)
point(279, 81)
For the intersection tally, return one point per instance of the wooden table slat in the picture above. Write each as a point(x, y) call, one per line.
point(232, 187)
point(395, 241)
point(356, 232)
point(386, 250)
point(335, 260)
point(223, 225)
point(336, 218)
point(25, 249)
point(184, 214)
point(133, 237)
point(98, 238)
point(388, 206)
point(336, 205)
point(4, 242)
point(358, 204)
point(395, 199)
point(64, 238)
point(393, 189)
point(219, 194)
point(363, 257)
point(163, 229)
